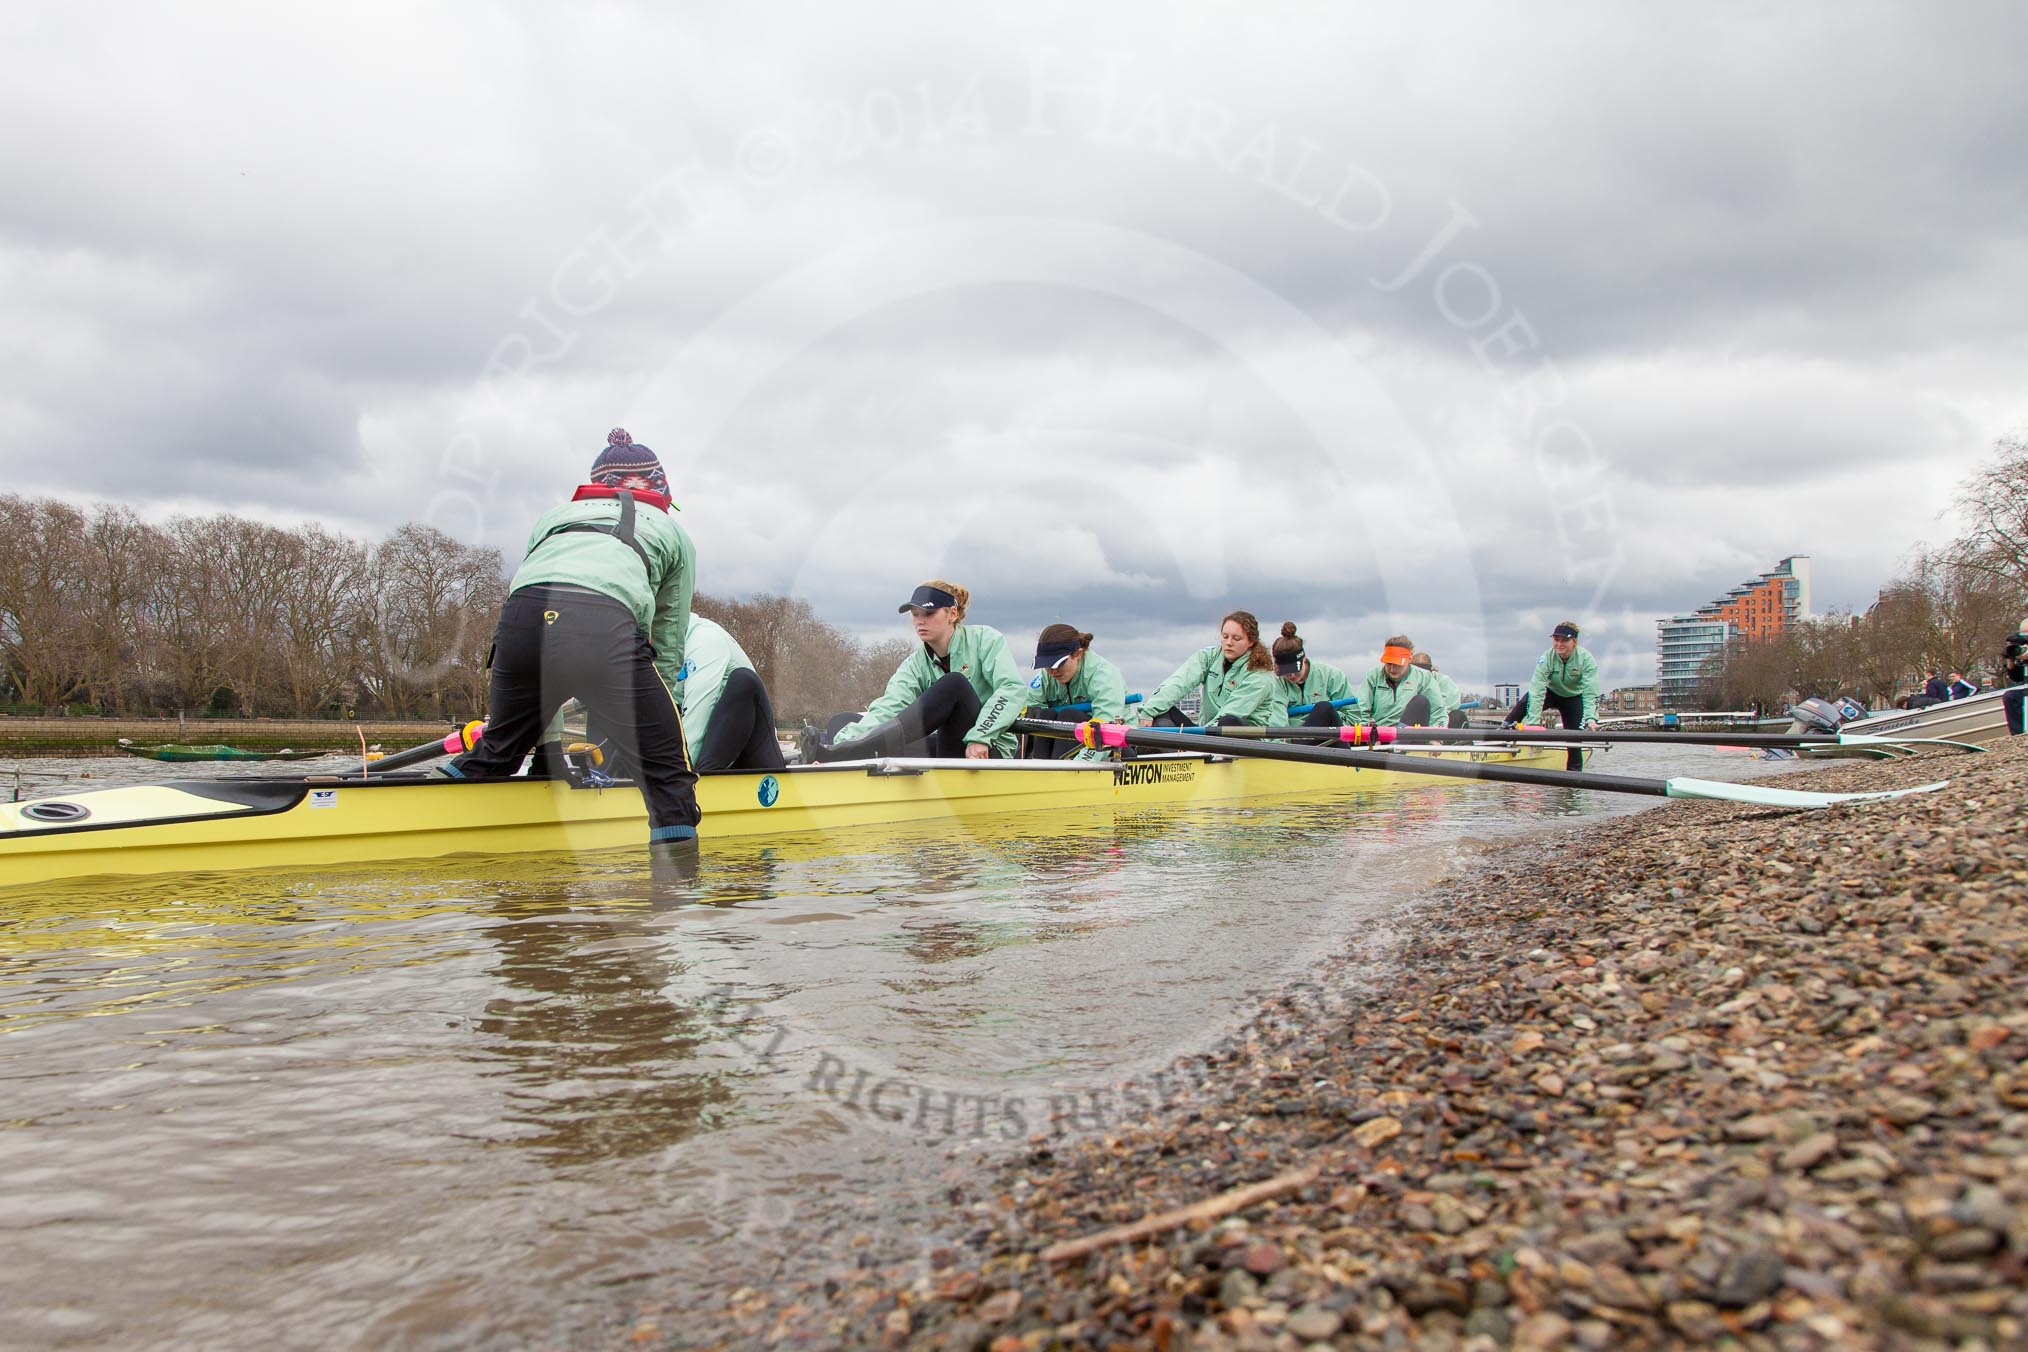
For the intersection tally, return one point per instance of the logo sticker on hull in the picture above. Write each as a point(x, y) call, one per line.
point(1145, 772)
point(323, 798)
point(770, 790)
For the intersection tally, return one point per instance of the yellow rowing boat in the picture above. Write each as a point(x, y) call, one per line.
point(200, 826)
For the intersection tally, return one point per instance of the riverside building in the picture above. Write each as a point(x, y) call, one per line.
point(1761, 608)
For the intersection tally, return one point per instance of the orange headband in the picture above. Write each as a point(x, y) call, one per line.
point(1395, 653)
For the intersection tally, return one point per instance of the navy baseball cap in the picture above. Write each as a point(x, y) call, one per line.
point(926, 598)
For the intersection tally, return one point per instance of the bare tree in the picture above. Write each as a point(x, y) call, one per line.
point(1994, 502)
point(434, 601)
point(41, 635)
point(323, 617)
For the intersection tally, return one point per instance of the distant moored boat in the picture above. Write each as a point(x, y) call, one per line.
point(184, 751)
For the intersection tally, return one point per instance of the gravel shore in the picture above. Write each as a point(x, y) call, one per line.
point(1705, 1074)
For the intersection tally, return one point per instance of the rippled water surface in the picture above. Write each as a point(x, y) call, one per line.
point(488, 1101)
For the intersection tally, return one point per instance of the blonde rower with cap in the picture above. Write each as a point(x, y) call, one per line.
point(1068, 672)
point(957, 694)
point(1397, 693)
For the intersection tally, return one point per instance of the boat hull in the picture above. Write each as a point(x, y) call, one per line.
point(208, 826)
point(1980, 719)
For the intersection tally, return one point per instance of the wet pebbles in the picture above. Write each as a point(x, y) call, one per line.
point(1706, 1074)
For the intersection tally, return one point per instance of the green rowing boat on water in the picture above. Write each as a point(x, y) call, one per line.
point(183, 751)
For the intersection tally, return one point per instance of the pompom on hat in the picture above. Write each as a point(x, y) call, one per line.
point(625, 463)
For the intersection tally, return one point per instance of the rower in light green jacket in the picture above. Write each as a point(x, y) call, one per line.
point(1067, 671)
point(1305, 681)
point(1234, 680)
point(1566, 679)
point(1444, 713)
point(1397, 693)
point(957, 694)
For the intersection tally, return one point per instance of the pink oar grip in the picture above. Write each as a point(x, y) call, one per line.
point(1113, 734)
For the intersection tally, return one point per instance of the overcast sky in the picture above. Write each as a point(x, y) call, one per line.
point(1452, 322)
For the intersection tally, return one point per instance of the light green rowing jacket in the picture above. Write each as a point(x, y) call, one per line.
point(1324, 682)
point(1098, 682)
point(710, 656)
point(1573, 675)
point(658, 595)
point(1382, 704)
point(1253, 697)
point(1440, 716)
point(980, 655)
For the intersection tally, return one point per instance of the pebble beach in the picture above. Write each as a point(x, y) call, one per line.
point(1709, 1074)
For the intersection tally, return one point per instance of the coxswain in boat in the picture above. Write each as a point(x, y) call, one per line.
point(1234, 680)
point(1307, 681)
point(1396, 693)
point(957, 694)
point(1446, 714)
point(1566, 680)
point(597, 612)
point(1068, 672)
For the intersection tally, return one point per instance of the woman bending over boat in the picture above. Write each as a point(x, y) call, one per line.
point(956, 695)
point(1068, 672)
point(1566, 680)
point(1304, 681)
point(1397, 693)
point(1234, 680)
point(728, 720)
point(597, 611)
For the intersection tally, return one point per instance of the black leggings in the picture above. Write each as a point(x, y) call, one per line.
point(741, 734)
point(934, 725)
point(1571, 707)
point(1171, 718)
point(1324, 714)
point(1050, 748)
point(556, 643)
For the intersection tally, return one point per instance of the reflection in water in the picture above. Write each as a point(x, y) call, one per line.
point(602, 1060)
point(468, 1102)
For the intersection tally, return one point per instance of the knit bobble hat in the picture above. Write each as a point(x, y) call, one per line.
point(625, 463)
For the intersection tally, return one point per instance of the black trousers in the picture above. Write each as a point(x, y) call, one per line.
point(556, 643)
point(741, 734)
point(1571, 707)
point(1324, 714)
point(934, 725)
point(1050, 748)
point(2012, 701)
point(1173, 718)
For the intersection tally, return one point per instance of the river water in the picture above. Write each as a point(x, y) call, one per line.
point(488, 1102)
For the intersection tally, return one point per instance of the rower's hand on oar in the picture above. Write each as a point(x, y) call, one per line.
point(978, 751)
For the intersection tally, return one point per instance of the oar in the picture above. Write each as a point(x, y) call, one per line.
point(1083, 706)
point(1346, 702)
point(1115, 735)
point(1528, 733)
point(461, 740)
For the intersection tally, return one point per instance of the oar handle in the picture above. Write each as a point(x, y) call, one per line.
point(460, 740)
point(1083, 706)
point(1344, 703)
